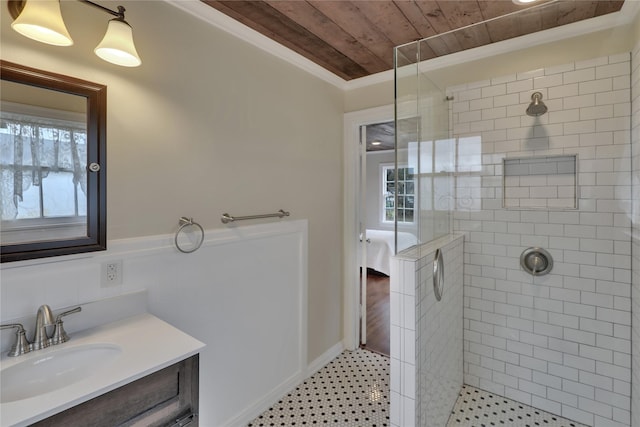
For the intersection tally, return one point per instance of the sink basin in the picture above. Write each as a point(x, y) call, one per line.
point(54, 369)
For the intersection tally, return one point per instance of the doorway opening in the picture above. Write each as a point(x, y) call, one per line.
point(355, 230)
point(379, 199)
point(377, 243)
point(378, 329)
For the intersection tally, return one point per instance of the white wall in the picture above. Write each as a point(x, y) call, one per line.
point(208, 124)
point(560, 342)
point(371, 95)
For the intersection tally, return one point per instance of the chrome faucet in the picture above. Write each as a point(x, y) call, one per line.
point(44, 318)
point(41, 339)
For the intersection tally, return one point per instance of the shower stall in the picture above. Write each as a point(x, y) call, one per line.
point(526, 188)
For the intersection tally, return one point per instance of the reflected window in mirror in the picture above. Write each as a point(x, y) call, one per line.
point(43, 153)
point(52, 164)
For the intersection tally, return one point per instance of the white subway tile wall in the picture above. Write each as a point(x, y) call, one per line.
point(426, 335)
point(560, 342)
point(635, 306)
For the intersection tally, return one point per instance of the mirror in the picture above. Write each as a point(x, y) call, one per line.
point(52, 164)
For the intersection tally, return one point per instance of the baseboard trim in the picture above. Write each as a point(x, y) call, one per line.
point(254, 410)
point(250, 413)
point(324, 358)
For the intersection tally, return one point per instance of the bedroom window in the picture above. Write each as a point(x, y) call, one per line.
point(405, 194)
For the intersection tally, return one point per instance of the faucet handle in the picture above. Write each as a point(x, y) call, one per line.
point(21, 345)
point(59, 334)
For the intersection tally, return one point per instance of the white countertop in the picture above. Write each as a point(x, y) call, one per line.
point(148, 344)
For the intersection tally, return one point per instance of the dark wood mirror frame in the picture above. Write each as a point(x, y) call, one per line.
point(96, 95)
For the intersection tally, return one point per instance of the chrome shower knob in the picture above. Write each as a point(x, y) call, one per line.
point(536, 261)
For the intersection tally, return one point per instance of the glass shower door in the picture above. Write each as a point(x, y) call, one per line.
point(424, 173)
point(425, 154)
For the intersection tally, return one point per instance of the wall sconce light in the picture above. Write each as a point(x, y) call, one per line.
point(41, 20)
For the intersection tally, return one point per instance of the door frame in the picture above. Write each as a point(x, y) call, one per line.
point(351, 231)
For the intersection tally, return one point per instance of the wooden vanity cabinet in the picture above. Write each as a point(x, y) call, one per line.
point(168, 397)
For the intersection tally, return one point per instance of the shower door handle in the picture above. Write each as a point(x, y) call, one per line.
point(438, 274)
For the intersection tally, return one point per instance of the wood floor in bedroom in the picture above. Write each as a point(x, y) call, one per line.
point(378, 333)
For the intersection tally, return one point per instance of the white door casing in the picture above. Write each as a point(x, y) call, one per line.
point(351, 220)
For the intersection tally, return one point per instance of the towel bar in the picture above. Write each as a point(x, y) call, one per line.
point(226, 218)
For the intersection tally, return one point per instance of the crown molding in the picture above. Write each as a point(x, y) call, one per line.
point(382, 77)
point(629, 11)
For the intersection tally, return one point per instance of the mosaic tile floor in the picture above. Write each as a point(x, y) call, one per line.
point(351, 391)
point(479, 408)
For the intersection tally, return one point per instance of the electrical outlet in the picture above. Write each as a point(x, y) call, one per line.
point(111, 273)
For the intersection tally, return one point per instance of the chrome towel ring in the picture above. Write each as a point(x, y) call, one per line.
point(186, 235)
point(438, 274)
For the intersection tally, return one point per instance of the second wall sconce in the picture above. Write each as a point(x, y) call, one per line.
point(41, 20)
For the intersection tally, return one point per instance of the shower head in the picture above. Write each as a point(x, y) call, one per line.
point(537, 107)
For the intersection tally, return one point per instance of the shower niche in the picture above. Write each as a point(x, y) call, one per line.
point(540, 182)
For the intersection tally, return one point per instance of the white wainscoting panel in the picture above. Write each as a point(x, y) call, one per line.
point(243, 293)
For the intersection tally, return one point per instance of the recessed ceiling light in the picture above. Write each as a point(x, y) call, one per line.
point(376, 143)
point(523, 2)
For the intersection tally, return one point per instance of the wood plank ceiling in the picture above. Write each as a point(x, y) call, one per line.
point(356, 38)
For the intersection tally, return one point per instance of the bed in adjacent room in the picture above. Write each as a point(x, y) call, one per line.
point(381, 247)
